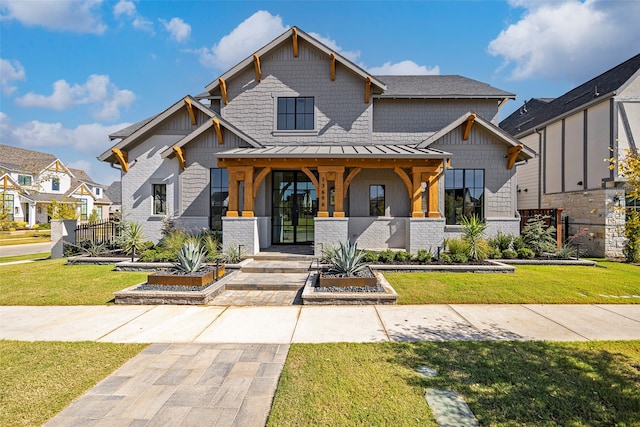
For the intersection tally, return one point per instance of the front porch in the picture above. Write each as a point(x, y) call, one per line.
point(320, 196)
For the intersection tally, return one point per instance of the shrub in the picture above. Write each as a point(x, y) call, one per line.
point(387, 256)
point(473, 234)
point(158, 255)
point(494, 253)
point(502, 241)
point(132, 239)
point(211, 245)
point(518, 243)
point(538, 237)
point(232, 254)
point(424, 256)
point(459, 258)
point(509, 254)
point(456, 246)
point(346, 259)
point(403, 256)
point(525, 253)
point(567, 251)
point(43, 226)
point(173, 240)
point(444, 259)
point(370, 256)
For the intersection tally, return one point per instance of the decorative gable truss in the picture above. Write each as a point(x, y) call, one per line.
point(515, 150)
point(295, 35)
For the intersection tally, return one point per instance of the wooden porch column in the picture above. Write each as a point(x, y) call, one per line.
point(432, 192)
point(323, 204)
point(430, 175)
point(232, 209)
point(416, 193)
point(239, 174)
point(335, 174)
point(248, 192)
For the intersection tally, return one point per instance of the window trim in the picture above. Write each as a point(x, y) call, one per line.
point(22, 177)
point(84, 207)
point(384, 205)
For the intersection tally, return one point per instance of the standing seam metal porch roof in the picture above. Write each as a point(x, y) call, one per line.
point(336, 151)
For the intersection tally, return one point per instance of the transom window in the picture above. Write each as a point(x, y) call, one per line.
point(295, 113)
point(376, 200)
point(159, 199)
point(463, 194)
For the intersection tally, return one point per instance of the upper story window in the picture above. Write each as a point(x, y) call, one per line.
point(295, 113)
point(24, 180)
point(55, 184)
point(97, 191)
point(463, 194)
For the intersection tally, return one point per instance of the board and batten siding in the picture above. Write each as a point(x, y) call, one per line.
point(529, 175)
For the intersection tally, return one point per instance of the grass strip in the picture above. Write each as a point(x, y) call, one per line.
point(39, 379)
point(504, 383)
point(529, 284)
point(25, 257)
point(52, 282)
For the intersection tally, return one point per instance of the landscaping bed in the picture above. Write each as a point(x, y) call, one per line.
point(311, 295)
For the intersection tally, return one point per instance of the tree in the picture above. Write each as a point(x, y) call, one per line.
point(67, 209)
point(629, 167)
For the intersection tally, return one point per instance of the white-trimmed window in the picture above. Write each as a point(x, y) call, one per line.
point(55, 184)
point(24, 180)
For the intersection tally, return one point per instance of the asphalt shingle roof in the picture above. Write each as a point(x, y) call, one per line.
point(537, 111)
point(23, 160)
point(129, 130)
point(451, 86)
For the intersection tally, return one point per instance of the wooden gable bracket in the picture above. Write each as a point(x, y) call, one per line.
point(223, 90)
point(5, 183)
point(467, 126)
point(192, 113)
point(256, 64)
point(83, 190)
point(216, 126)
point(180, 154)
point(367, 90)
point(122, 158)
point(294, 36)
point(352, 174)
point(512, 155)
point(333, 66)
point(504, 101)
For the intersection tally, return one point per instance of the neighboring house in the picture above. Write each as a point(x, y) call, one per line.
point(114, 193)
point(298, 145)
point(29, 180)
point(574, 134)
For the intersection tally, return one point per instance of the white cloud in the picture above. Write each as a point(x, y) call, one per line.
point(98, 91)
point(572, 40)
point(124, 7)
point(10, 71)
point(81, 16)
point(253, 33)
point(127, 9)
point(404, 68)
point(352, 55)
point(179, 30)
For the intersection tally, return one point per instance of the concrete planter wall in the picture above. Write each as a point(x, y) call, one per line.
point(194, 279)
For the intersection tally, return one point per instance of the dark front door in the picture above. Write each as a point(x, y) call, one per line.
point(294, 207)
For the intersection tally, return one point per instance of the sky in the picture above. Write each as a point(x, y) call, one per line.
point(74, 71)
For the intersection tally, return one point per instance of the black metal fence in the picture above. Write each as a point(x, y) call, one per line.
point(552, 217)
point(98, 232)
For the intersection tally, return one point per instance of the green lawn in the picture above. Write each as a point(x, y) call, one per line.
point(504, 383)
point(528, 285)
point(39, 379)
point(25, 257)
point(24, 237)
point(52, 282)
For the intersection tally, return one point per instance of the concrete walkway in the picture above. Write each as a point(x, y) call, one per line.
point(219, 365)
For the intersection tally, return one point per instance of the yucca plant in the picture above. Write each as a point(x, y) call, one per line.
point(473, 231)
point(192, 257)
point(346, 259)
point(133, 238)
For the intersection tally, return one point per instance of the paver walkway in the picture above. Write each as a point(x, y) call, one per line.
point(184, 385)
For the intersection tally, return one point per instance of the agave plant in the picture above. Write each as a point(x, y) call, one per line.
point(191, 257)
point(346, 259)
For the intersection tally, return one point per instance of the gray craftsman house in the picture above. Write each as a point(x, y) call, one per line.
point(298, 145)
point(574, 134)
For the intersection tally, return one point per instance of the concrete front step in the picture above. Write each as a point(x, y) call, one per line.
point(277, 267)
point(274, 256)
point(267, 282)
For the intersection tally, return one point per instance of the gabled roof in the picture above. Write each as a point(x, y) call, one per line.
point(606, 85)
point(439, 87)
point(114, 192)
point(82, 176)
point(23, 160)
point(125, 132)
point(286, 36)
point(500, 134)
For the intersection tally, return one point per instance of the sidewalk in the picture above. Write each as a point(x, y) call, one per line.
point(220, 365)
point(316, 324)
point(26, 249)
